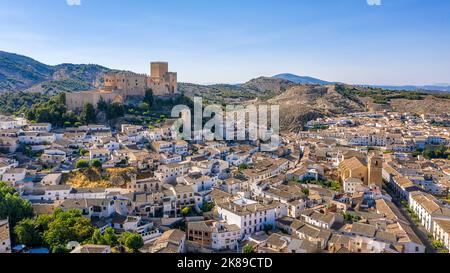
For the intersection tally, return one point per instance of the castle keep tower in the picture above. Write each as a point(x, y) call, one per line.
point(158, 70)
point(375, 169)
point(161, 81)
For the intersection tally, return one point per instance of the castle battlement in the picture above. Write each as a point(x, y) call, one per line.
point(125, 73)
point(160, 80)
point(120, 85)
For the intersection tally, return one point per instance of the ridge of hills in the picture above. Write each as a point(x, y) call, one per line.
point(301, 99)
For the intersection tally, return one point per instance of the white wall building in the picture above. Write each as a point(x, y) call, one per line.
point(14, 175)
point(248, 215)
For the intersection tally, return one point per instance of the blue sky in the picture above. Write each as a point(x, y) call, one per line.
point(231, 41)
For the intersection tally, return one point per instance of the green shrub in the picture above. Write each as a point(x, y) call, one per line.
point(82, 164)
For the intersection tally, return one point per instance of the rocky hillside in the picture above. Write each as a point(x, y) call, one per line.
point(218, 93)
point(260, 88)
point(429, 104)
point(303, 103)
point(300, 103)
point(301, 99)
point(20, 73)
point(300, 79)
point(268, 85)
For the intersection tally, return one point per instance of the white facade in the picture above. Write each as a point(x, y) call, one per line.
point(36, 138)
point(225, 239)
point(162, 146)
point(441, 232)
point(170, 172)
point(180, 147)
point(248, 222)
point(40, 127)
point(14, 175)
point(7, 164)
point(351, 184)
point(100, 154)
point(169, 158)
point(417, 204)
point(7, 122)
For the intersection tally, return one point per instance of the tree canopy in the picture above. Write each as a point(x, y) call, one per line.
point(115, 110)
point(437, 152)
point(148, 97)
point(96, 163)
point(27, 233)
point(55, 230)
point(12, 206)
point(186, 211)
point(65, 227)
point(132, 241)
point(52, 110)
point(248, 249)
point(108, 237)
point(88, 115)
point(82, 164)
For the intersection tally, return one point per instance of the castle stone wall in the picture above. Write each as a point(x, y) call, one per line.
point(118, 86)
point(75, 101)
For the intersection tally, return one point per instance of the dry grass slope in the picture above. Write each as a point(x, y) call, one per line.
point(94, 178)
point(303, 103)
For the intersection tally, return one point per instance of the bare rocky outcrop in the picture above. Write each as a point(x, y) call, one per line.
point(268, 85)
point(302, 103)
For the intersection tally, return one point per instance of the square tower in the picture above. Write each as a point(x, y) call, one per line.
point(158, 71)
point(375, 169)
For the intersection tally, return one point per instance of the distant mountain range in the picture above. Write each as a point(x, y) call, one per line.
point(437, 87)
point(309, 80)
point(301, 79)
point(21, 73)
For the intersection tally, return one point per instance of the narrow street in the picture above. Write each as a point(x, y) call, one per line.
point(418, 230)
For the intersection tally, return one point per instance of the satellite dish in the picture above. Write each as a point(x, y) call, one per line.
point(72, 245)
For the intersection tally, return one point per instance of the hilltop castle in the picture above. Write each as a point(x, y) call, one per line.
point(118, 86)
